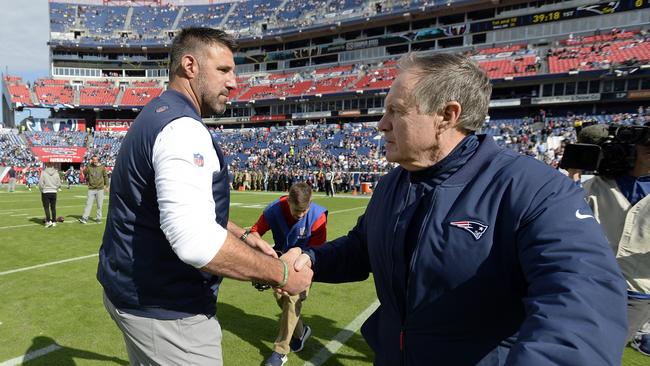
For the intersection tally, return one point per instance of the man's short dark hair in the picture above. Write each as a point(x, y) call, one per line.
point(192, 40)
point(300, 195)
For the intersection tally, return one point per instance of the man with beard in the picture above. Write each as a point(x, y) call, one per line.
point(168, 241)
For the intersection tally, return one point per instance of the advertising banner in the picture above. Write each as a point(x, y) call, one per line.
point(114, 125)
point(55, 154)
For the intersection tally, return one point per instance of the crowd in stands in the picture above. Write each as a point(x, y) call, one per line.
point(101, 19)
point(104, 23)
point(51, 138)
point(614, 49)
point(14, 151)
point(153, 19)
point(105, 145)
point(273, 158)
point(247, 13)
point(204, 15)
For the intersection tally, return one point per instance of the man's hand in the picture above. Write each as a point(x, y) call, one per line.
point(255, 241)
point(298, 280)
point(105, 189)
point(302, 261)
point(575, 174)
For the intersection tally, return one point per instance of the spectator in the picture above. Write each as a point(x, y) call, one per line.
point(49, 183)
point(97, 180)
point(12, 180)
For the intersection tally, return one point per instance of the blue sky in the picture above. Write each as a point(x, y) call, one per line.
point(24, 30)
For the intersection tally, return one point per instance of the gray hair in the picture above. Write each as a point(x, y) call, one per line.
point(444, 78)
point(192, 41)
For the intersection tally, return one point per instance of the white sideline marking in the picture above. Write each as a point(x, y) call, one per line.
point(26, 225)
point(335, 344)
point(346, 210)
point(36, 208)
point(46, 265)
point(30, 356)
point(19, 215)
point(17, 226)
point(253, 206)
point(59, 199)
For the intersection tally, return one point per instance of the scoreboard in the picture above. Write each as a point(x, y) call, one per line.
point(557, 15)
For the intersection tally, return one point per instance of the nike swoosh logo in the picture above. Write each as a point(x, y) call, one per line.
point(581, 216)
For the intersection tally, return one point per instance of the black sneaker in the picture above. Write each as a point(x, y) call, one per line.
point(642, 344)
point(297, 344)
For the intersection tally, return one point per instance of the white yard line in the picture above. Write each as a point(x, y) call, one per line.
point(347, 210)
point(47, 264)
point(31, 355)
point(37, 208)
point(35, 224)
point(339, 340)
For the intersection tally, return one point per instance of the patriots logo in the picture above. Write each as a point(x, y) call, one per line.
point(198, 160)
point(473, 227)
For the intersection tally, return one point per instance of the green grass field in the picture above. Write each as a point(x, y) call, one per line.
point(50, 301)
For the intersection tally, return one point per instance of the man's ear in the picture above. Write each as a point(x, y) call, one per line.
point(451, 113)
point(449, 116)
point(189, 66)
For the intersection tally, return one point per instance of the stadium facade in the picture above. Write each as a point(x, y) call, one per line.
point(333, 61)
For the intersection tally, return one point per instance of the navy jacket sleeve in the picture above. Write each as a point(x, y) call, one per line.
point(344, 259)
point(575, 301)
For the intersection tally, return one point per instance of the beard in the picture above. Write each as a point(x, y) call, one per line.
point(211, 101)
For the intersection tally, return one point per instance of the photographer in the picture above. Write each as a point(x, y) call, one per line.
point(621, 204)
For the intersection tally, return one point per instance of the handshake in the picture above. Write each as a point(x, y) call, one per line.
point(298, 273)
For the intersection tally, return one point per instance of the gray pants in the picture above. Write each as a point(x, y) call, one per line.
point(94, 195)
point(12, 185)
point(638, 313)
point(192, 341)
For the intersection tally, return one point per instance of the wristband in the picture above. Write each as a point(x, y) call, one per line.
point(245, 235)
point(285, 279)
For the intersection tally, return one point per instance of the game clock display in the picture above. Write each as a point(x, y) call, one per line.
point(583, 11)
